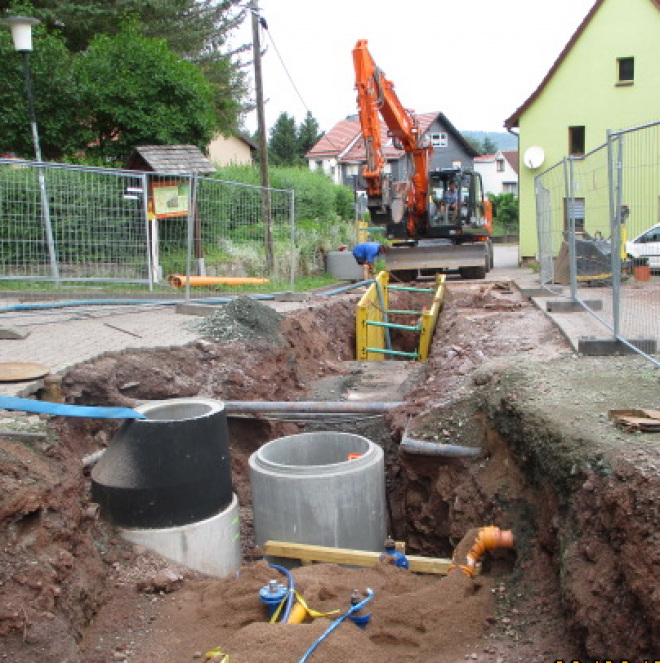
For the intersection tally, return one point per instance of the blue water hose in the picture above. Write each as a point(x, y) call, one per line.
point(41, 306)
point(336, 623)
point(66, 410)
point(292, 587)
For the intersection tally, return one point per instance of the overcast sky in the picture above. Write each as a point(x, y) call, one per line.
point(476, 61)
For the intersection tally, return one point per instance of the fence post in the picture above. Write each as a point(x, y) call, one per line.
point(569, 182)
point(145, 210)
point(293, 251)
point(615, 176)
point(191, 239)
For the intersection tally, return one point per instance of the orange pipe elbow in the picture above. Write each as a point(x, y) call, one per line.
point(488, 538)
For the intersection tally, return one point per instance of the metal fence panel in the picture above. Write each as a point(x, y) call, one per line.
point(550, 189)
point(602, 237)
point(640, 201)
point(95, 218)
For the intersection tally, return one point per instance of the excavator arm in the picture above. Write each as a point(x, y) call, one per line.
point(376, 98)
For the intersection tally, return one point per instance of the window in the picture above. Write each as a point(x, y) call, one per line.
point(510, 187)
point(576, 141)
point(625, 71)
point(500, 165)
point(578, 213)
point(319, 165)
point(439, 140)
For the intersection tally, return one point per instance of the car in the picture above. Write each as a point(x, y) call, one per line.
point(646, 245)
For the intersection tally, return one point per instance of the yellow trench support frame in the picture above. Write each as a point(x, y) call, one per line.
point(370, 309)
point(430, 318)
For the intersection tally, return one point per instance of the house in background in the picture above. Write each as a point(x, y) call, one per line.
point(499, 172)
point(607, 77)
point(341, 155)
point(236, 150)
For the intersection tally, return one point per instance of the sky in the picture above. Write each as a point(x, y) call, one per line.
point(476, 61)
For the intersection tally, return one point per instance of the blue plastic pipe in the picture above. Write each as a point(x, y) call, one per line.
point(336, 623)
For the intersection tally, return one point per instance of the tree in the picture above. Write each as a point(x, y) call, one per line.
point(309, 134)
point(488, 146)
point(138, 92)
point(505, 210)
point(283, 149)
point(196, 30)
point(57, 100)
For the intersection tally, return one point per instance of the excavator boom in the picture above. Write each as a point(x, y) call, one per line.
point(376, 98)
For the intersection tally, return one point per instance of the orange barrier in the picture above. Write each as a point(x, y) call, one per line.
point(487, 538)
point(179, 281)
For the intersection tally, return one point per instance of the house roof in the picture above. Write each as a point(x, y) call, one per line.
point(485, 158)
point(515, 117)
point(337, 139)
point(344, 140)
point(171, 159)
point(512, 157)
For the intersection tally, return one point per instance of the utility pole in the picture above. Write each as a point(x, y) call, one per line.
point(261, 129)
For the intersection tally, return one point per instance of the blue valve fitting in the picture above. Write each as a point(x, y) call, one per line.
point(272, 595)
point(359, 617)
point(390, 554)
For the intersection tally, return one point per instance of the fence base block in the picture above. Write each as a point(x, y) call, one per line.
point(531, 293)
point(599, 347)
point(569, 306)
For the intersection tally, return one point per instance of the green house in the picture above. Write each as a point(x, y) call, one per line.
point(606, 78)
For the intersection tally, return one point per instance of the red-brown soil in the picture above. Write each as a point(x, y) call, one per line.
point(582, 498)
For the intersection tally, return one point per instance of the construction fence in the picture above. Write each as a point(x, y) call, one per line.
point(69, 228)
point(598, 221)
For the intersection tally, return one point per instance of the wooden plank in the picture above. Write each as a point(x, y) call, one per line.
point(328, 555)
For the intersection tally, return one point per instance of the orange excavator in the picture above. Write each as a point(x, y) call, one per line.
point(427, 233)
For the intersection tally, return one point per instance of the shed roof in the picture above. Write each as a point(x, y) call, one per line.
point(170, 159)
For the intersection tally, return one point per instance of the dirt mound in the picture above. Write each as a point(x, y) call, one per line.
point(242, 320)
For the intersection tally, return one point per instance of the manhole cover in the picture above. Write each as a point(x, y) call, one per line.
point(19, 371)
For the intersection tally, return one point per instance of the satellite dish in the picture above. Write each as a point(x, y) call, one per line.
point(534, 157)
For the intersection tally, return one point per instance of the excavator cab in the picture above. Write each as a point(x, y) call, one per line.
point(460, 220)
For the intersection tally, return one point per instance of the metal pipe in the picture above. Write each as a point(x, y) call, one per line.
point(338, 291)
point(422, 448)
point(361, 407)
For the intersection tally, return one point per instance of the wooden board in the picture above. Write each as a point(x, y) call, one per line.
point(305, 552)
point(637, 419)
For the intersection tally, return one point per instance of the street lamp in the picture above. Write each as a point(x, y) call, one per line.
point(21, 32)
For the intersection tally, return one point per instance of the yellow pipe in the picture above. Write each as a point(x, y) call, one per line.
point(297, 614)
point(483, 539)
point(179, 281)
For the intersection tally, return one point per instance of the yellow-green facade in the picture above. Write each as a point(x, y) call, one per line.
point(584, 90)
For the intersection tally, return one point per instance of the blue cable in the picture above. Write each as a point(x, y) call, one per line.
point(336, 623)
point(65, 410)
point(292, 587)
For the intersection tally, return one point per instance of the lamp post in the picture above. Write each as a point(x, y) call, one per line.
point(21, 32)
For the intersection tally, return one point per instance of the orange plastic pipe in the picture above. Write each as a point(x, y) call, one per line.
point(298, 614)
point(487, 538)
point(178, 280)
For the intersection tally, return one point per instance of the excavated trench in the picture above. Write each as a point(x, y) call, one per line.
point(582, 498)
